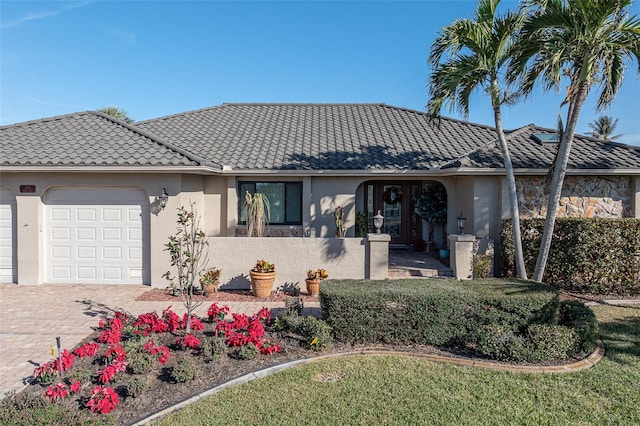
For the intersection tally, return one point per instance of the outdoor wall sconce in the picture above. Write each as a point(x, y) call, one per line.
point(378, 220)
point(163, 198)
point(462, 221)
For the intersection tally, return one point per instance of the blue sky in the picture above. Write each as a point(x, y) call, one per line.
point(155, 58)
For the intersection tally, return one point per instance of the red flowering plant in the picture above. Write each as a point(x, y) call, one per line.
point(217, 313)
point(56, 393)
point(89, 349)
point(103, 400)
point(115, 353)
point(155, 349)
point(148, 323)
point(188, 341)
point(75, 386)
point(45, 373)
point(108, 373)
point(243, 330)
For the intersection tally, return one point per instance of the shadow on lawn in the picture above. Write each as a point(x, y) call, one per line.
point(622, 336)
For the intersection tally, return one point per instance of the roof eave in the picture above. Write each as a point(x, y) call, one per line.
point(110, 169)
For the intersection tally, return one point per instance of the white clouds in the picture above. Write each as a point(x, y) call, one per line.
point(34, 16)
point(27, 18)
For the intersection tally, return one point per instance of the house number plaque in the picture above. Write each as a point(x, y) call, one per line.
point(29, 189)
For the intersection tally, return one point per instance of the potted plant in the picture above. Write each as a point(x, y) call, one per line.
point(431, 206)
point(209, 280)
point(313, 280)
point(262, 276)
point(258, 213)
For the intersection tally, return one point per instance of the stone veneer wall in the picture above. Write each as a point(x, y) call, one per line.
point(582, 196)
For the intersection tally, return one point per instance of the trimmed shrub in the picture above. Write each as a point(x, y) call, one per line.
point(582, 319)
point(316, 333)
point(185, 369)
point(598, 256)
point(540, 343)
point(433, 312)
point(501, 343)
point(246, 352)
point(140, 362)
point(214, 347)
point(550, 343)
point(136, 387)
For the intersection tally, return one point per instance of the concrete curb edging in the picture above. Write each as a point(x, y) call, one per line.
point(582, 364)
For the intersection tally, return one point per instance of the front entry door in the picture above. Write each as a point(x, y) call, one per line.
point(393, 199)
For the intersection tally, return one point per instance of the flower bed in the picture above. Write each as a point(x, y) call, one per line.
point(132, 367)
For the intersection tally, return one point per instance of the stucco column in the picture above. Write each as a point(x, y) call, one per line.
point(377, 256)
point(461, 247)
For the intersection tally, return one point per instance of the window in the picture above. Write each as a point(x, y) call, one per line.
point(285, 201)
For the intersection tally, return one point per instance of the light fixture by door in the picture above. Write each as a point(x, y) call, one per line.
point(163, 198)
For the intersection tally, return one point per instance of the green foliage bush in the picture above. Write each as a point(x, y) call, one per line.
point(582, 319)
point(214, 347)
point(185, 369)
point(316, 333)
point(136, 387)
point(433, 312)
point(82, 375)
point(501, 343)
point(540, 343)
point(598, 256)
point(139, 362)
point(246, 352)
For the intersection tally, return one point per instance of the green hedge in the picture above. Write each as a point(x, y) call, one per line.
point(598, 256)
point(433, 312)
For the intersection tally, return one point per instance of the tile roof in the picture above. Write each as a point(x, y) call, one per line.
point(529, 153)
point(292, 137)
point(85, 139)
point(319, 136)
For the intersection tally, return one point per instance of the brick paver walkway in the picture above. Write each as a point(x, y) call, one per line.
point(32, 316)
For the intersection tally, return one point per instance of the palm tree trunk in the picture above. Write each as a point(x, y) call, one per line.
point(560, 169)
point(513, 195)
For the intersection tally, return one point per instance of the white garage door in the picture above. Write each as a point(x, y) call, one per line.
point(96, 235)
point(7, 237)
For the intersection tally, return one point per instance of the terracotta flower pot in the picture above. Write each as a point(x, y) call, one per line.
point(262, 283)
point(313, 287)
point(210, 288)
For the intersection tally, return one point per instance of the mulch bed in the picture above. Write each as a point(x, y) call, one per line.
point(163, 295)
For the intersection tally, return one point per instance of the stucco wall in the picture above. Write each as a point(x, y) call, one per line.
point(582, 196)
point(342, 257)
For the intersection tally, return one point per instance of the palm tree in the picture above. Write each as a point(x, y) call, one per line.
point(603, 127)
point(117, 112)
point(478, 51)
point(586, 42)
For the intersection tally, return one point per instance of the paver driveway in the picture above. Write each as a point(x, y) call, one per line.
point(32, 316)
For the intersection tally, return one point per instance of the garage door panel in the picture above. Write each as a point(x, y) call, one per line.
point(111, 234)
point(86, 215)
point(61, 252)
point(61, 234)
point(86, 234)
point(86, 253)
point(61, 273)
point(134, 234)
point(112, 273)
point(105, 229)
point(61, 214)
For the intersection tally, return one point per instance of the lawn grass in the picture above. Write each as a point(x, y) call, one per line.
point(399, 390)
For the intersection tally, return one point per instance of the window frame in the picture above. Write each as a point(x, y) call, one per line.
point(254, 184)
